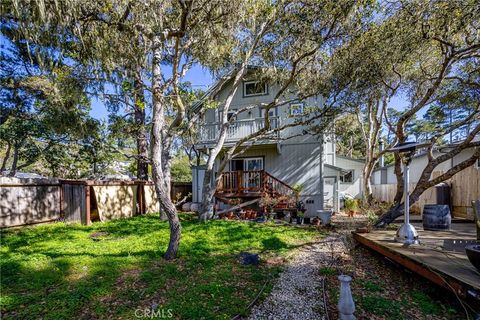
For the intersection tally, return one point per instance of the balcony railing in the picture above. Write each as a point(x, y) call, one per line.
point(238, 129)
point(252, 182)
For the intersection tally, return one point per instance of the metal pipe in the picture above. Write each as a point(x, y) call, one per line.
point(405, 188)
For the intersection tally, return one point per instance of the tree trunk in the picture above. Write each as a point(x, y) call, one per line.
point(141, 132)
point(13, 169)
point(5, 159)
point(206, 210)
point(396, 210)
point(367, 186)
point(158, 165)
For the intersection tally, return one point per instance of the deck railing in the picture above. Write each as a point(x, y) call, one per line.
point(238, 129)
point(253, 182)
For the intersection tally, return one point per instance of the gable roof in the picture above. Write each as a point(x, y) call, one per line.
point(350, 158)
point(336, 168)
point(218, 86)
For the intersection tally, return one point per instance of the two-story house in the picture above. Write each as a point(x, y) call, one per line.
point(288, 158)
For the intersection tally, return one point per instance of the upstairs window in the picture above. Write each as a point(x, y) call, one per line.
point(296, 109)
point(254, 88)
point(347, 177)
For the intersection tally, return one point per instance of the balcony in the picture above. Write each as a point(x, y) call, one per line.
point(238, 129)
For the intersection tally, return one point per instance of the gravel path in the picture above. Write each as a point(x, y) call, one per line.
point(298, 294)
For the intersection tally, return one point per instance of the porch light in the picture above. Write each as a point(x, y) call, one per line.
point(407, 233)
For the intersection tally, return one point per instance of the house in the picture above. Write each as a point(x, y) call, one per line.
point(279, 162)
point(464, 186)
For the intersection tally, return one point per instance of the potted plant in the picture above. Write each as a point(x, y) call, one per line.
point(300, 216)
point(351, 206)
point(269, 203)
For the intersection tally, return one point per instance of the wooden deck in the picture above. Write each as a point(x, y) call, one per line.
point(440, 256)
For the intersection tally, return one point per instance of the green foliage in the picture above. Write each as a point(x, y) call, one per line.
point(58, 271)
point(298, 188)
point(372, 218)
point(351, 204)
point(181, 169)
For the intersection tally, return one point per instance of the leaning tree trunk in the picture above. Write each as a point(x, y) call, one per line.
point(158, 165)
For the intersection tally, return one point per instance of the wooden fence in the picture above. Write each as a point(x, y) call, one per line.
point(36, 201)
point(465, 187)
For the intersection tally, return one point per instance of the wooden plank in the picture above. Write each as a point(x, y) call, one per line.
point(448, 268)
point(29, 204)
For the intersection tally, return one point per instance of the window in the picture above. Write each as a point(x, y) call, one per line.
point(254, 88)
point(230, 115)
point(478, 163)
point(347, 177)
point(296, 109)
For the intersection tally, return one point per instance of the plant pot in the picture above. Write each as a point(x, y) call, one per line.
point(299, 220)
point(248, 215)
point(253, 215)
point(316, 221)
point(473, 254)
point(230, 215)
point(325, 216)
point(243, 215)
point(221, 215)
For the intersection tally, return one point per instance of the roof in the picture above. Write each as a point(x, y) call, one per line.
point(218, 86)
point(336, 168)
point(350, 158)
point(423, 153)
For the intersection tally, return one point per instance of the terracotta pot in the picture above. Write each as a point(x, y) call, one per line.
point(253, 215)
point(221, 215)
point(248, 214)
point(316, 221)
point(243, 215)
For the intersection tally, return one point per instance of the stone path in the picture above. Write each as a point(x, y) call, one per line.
point(297, 293)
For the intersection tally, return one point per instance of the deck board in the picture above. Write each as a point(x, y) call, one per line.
point(440, 256)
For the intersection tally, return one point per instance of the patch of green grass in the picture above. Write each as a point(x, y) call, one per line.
point(58, 271)
point(381, 306)
point(328, 271)
point(426, 304)
point(372, 286)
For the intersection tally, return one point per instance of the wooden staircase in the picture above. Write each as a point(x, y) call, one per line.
point(247, 185)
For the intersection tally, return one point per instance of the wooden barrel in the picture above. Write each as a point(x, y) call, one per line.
point(436, 217)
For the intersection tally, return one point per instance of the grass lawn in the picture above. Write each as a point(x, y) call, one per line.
point(60, 271)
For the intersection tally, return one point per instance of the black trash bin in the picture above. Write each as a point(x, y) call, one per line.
point(436, 217)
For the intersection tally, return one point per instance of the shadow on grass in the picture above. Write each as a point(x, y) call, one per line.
point(58, 271)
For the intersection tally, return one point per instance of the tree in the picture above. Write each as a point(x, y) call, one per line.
point(447, 51)
point(43, 106)
point(176, 34)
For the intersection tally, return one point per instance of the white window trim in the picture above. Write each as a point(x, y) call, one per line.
point(264, 93)
point(300, 105)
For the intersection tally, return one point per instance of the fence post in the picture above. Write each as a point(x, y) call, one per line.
point(87, 205)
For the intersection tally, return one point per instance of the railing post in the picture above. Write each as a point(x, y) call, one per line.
point(239, 181)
